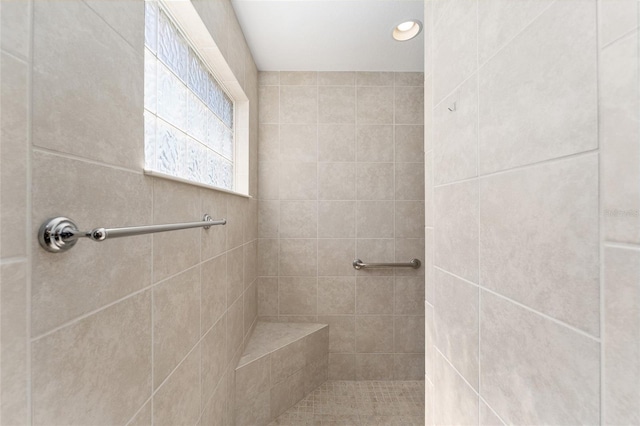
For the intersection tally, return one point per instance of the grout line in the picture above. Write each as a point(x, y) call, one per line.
point(522, 167)
point(14, 260)
point(41, 150)
point(532, 310)
point(601, 246)
point(457, 372)
point(29, 218)
point(618, 245)
point(619, 38)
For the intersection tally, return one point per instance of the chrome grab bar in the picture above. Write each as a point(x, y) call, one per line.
point(60, 233)
point(413, 263)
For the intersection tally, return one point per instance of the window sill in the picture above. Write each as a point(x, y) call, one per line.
point(188, 182)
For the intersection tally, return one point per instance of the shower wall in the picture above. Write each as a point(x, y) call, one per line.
point(341, 177)
point(136, 330)
point(533, 185)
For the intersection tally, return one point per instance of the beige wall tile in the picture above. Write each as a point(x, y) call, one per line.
point(298, 257)
point(269, 106)
point(342, 333)
point(111, 347)
point(175, 202)
point(409, 182)
point(298, 78)
point(428, 265)
point(336, 104)
point(524, 354)
point(500, 21)
point(415, 79)
point(374, 367)
point(370, 78)
point(336, 142)
point(409, 219)
point(374, 105)
point(299, 142)
point(93, 53)
point(214, 239)
point(408, 335)
point(374, 333)
point(269, 142)
point(456, 234)
point(374, 295)
point(336, 295)
point(267, 296)
point(342, 367)
point(556, 56)
point(214, 353)
point(454, 48)
point(409, 294)
point(297, 295)
point(375, 250)
point(408, 367)
point(374, 219)
point(286, 361)
point(176, 321)
point(250, 254)
point(409, 105)
point(457, 324)
point(455, 403)
point(268, 256)
point(455, 135)
point(268, 219)
point(123, 16)
point(214, 411)
point(250, 299)
point(178, 400)
point(428, 114)
point(298, 181)
point(621, 389)
point(557, 271)
point(428, 189)
point(269, 181)
point(235, 274)
point(337, 181)
point(429, 342)
point(298, 219)
point(59, 293)
point(215, 15)
point(235, 329)
point(14, 339)
point(269, 78)
point(375, 181)
point(143, 417)
point(620, 138)
point(374, 143)
point(409, 143)
point(336, 219)
point(299, 104)
point(335, 257)
point(14, 128)
point(488, 417)
point(213, 291)
point(340, 78)
point(235, 221)
point(407, 249)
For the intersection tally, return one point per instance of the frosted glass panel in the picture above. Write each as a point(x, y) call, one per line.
point(172, 48)
point(172, 97)
point(151, 25)
point(170, 150)
point(188, 117)
point(198, 77)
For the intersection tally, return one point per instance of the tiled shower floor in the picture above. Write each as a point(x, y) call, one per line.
point(363, 403)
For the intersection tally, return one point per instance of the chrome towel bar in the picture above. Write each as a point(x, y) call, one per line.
point(413, 263)
point(60, 233)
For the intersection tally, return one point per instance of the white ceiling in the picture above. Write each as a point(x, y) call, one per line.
point(330, 35)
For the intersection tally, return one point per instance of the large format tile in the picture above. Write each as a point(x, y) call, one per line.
point(74, 53)
point(616, 18)
point(455, 401)
point(14, 342)
point(176, 321)
point(454, 47)
point(102, 362)
point(455, 135)
point(119, 267)
point(538, 95)
point(456, 233)
point(620, 139)
point(538, 242)
point(500, 20)
point(124, 17)
point(15, 25)
point(535, 371)
point(621, 389)
point(457, 324)
point(14, 103)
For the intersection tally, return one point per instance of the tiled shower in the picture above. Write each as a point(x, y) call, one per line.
point(510, 167)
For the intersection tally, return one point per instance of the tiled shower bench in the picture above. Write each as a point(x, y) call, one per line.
point(281, 364)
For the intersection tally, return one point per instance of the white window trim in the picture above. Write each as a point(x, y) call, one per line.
point(185, 16)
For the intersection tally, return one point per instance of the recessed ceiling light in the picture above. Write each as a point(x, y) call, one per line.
point(407, 30)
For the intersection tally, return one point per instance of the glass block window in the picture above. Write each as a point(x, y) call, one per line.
point(189, 118)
